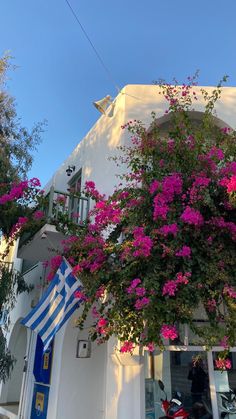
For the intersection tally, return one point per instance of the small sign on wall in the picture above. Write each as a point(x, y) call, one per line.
point(83, 349)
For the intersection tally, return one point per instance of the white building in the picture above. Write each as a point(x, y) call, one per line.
point(106, 385)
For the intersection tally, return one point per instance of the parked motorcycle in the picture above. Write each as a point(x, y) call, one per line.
point(173, 408)
point(227, 404)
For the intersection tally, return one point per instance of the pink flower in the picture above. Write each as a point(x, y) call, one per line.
point(61, 199)
point(22, 220)
point(229, 291)
point(133, 285)
point(102, 322)
point(183, 278)
point(50, 276)
point(80, 295)
point(211, 305)
point(91, 190)
point(135, 282)
point(169, 229)
point(169, 332)
point(77, 269)
point(140, 291)
point(172, 185)
point(231, 185)
point(142, 302)
point(161, 208)
point(151, 346)
point(38, 215)
point(169, 288)
point(223, 364)
point(184, 252)
point(142, 243)
point(95, 313)
point(55, 262)
point(216, 153)
point(154, 186)
point(127, 347)
point(209, 240)
point(192, 216)
point(100, 292)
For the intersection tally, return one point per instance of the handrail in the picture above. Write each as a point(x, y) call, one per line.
point(72, 202)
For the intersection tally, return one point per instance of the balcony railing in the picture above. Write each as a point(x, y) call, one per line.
point(74, 206)
point(56, 205)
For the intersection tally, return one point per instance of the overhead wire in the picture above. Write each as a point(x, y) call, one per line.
point(93, 47)
point(111, 78)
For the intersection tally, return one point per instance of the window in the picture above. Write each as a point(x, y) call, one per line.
point(78, 205)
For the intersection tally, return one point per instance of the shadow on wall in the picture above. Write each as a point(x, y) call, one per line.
point(17, 346)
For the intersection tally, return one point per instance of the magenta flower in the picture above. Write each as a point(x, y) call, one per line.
point(135, 282)
point(154, 186)
point(229, 291)
point(231, 185)
point(169, 229)
point(211, 305)
point(184, 252)
point(38, 215)
point(55, 262)
point(151, 346)
point(192, 216)
point(127, 347)
point(95, 313)
point(183, 278)
point(170, 288)
point(141, 303)
point(100, 292)
point(169, 332)
point(140, 291)
point(80, 295)
point(223, 364)
point(143, 244)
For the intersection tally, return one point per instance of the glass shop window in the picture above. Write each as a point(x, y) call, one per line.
point(185, 378)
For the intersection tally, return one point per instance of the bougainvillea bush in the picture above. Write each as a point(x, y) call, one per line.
point(162, 246)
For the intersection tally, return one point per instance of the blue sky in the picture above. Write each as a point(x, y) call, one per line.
point(59, 76)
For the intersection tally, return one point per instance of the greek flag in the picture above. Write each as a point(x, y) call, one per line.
point(56, 305)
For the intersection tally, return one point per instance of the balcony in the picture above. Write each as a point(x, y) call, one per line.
point(42, 244)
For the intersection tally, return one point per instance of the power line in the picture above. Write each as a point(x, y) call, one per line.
point(92, 45)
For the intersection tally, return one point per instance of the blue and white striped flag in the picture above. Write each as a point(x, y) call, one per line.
point(56, 305)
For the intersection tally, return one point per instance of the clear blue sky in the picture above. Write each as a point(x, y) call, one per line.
point(59, 75)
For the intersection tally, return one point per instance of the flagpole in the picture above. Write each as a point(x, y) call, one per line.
point(30, 353)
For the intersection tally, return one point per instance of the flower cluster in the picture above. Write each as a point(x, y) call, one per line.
point(223, 364)
point(20, 190)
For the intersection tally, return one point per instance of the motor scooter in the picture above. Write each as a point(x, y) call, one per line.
point(173, 408)
point(227, 404)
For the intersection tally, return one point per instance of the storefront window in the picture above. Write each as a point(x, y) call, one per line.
point(185, 378)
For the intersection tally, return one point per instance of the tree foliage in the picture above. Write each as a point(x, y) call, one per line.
point(16, 146)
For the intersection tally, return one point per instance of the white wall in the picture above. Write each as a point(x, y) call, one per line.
point(81, 389)
point(17, 346)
